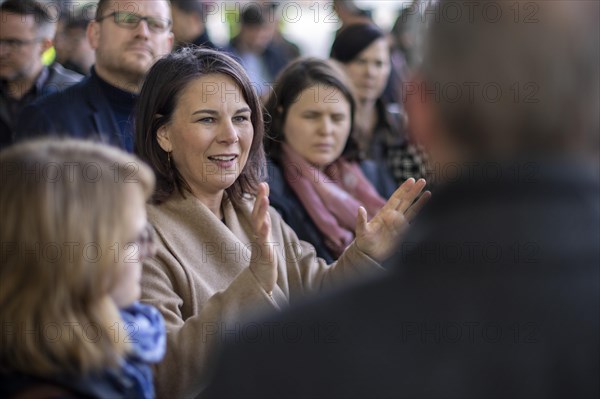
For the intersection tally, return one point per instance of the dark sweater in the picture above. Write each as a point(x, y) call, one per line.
point(122, 103)
point(495, 295)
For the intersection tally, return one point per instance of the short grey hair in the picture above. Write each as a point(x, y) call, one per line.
point(45, 14)
point(543, 62)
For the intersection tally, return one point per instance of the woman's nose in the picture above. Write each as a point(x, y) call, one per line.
point(227, 133)
point(326, 126)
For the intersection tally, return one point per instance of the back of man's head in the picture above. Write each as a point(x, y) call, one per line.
point(514, 79)
point(45, 16)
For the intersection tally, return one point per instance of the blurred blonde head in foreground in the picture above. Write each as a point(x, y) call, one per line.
point(69, 210)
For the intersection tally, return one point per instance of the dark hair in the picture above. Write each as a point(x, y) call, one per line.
point(257, 15)
point(353, 39)
point(298, 76)
point(158, 99)
point(44, 16)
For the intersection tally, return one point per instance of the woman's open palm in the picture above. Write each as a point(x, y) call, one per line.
point(379, 236)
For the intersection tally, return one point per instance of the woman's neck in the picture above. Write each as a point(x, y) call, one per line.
point(212, 202)
point(366, 116)
point(365, 104)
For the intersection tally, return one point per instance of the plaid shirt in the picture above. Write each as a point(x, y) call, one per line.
point(391, 148)
point(405, 161)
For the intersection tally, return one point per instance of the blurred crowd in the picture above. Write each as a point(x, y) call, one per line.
point(173, 207)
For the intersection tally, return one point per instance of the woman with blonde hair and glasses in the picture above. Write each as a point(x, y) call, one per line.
point(73, 236)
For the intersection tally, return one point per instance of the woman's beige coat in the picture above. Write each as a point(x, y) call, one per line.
point(200, 281)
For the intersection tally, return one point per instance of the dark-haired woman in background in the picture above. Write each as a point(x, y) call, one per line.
point(380, 131)
point(317, 182)
point(223, 253)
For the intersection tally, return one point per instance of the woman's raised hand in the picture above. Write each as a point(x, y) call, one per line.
point(379, 237)
point(262, 262)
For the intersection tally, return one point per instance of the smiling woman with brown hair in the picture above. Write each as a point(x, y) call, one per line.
point(223, 253)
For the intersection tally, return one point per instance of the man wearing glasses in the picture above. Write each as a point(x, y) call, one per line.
point(26, 32)
point(128, 37)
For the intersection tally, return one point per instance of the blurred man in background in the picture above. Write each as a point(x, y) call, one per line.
point(73, 50)
point(127, 37)
point(495, 291)
point(26, 32)
point(189, 23)
point(256, 46)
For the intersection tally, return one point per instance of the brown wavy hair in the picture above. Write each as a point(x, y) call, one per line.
point(158, 99)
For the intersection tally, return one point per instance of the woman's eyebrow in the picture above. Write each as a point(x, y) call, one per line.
point(244, 109)
point(205, 111)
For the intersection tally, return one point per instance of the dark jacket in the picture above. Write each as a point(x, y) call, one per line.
point(66, 387)
point(201, 41)
point(147, 336)
point(285, 201)
point(204, 41)
point(59, 78)
point(274, 56)
point(495, 294)
point(80, 111)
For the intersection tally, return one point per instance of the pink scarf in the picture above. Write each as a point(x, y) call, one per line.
point(331, 197)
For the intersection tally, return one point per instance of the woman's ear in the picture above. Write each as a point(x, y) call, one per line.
point(164, 139)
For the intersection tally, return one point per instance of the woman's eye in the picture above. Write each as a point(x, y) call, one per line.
point(241, 118)
point(208, 119)
point(338, 118)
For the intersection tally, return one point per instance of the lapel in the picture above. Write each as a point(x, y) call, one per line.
point(216, 251)
point(103, 121)
point(198, 239)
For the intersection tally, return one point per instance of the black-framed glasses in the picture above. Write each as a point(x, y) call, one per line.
point(131, 20)
point(14, 44)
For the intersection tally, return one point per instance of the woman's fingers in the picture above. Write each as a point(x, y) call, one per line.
point(263, 263)
point(361, 222)
point(410, 195)
point(378, 237)
point(260, 194)
point(405, 195)
point(417, 206)
point(260, 212)
point(397, 197)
